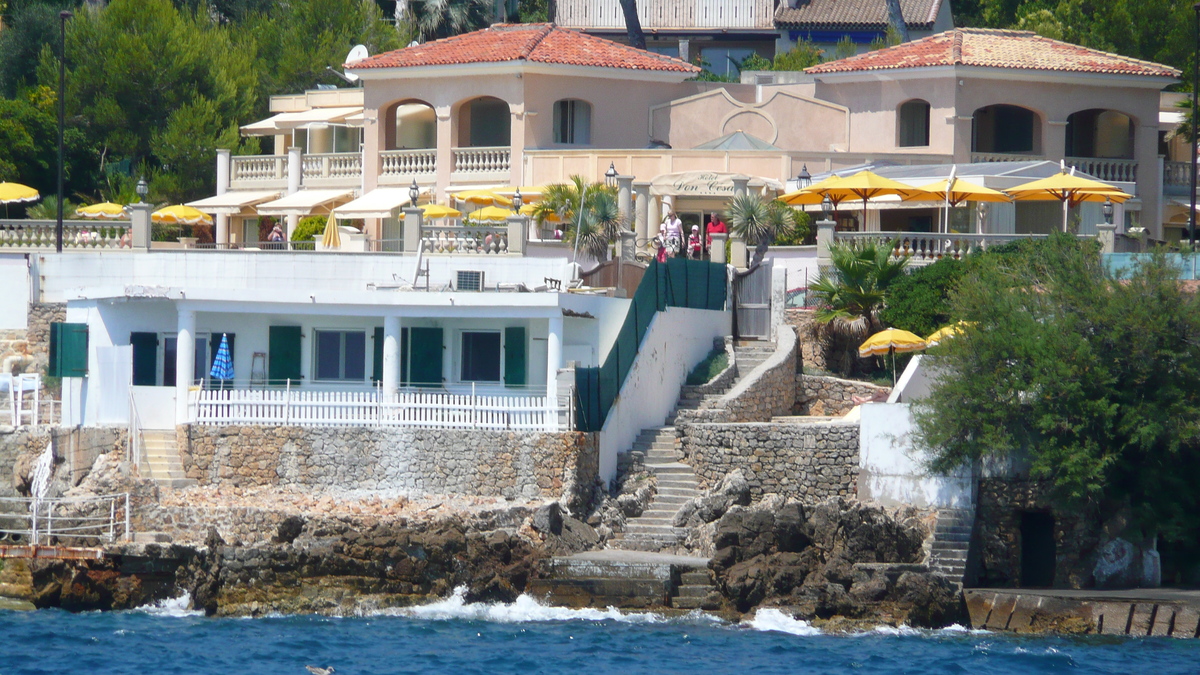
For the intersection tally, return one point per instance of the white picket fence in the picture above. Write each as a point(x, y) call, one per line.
point(432, 410)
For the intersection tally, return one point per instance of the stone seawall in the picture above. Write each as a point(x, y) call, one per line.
point(75, 452)
point(807, 462)
point(823, 396)
point(513, 465)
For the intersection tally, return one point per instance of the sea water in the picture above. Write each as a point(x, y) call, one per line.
point(525, 638)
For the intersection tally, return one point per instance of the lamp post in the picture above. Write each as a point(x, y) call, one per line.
point(804, 178)
point(1108, 211)
point(517, 200)
point(827, 207)
point(142, 190)
point(610, 176)
point(62, 113)
point(413, 193)
point(1195, 105)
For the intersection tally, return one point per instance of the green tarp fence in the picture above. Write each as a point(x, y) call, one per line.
point(693, 284)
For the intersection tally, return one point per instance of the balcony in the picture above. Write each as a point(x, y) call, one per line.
point(923, 248)
point(669, 14)
point(397, 167)
point(1108, 170)
point(486, 163)
point(77, 234)
point(344, 169)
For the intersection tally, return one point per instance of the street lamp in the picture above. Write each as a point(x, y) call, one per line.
point(517, 200)
point(610, 176)
point(142, 190)
point(1108, 211)
point(827, 207)
point(62, 113)
point(413, 193)
point(804, 178)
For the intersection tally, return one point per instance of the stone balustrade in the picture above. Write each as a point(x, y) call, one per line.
point(1177, 174)
point(924, 248)
point(482, 160)
point(1105, 169)
point(407, 163)
point(77, 234)
point(465, 239)
point(258, 168)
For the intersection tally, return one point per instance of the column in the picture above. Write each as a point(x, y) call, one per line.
point(518, 227)
point(642, 211)
point(825, 229)
point(413, 220)
point(391, 355)
point(739, 185)
point(139, 218)
point(185, 362)
point(295, 162)
point(717, 251)
point(625, 197)
point(516, 138)
point(221, 236)
point(445, 150)
point(1106, 233)
point(553, 360)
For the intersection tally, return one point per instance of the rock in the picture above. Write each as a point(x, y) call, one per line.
point(288, 530)
point(733, 489)
point(1115, 565)
point(630, 505)
point(548, 519)
point(930, 599)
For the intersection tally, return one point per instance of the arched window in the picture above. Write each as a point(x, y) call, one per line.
point(410, 125)
point(484, 122)
point(1007, 129)
point(572, 122)
point(1098, 133)
point(912, 124)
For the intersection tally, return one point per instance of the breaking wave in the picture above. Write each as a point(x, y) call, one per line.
point(171, 607)
point(774, 620)
point(524, 609)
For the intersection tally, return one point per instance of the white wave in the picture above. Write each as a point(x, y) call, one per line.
point(776, 621)
point(524, 609)
point(955, 628)
point(172, 607)
point(896, 630)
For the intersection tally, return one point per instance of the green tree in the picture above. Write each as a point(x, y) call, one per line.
point(804, 55)
point(600, 222)
point(758, 221)
point(28, 27)
point(920, 300)
point(755, 62)
point(436, 19)
point(845, 48)
point(186, 147)
point(1094, 380)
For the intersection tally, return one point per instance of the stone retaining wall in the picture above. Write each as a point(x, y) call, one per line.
point(771, 392)
point(28, 351)
point(812, 348)
point(819, 396)
point(513, 465)
point(808, 462)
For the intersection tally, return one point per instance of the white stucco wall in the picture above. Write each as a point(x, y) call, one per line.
point(676, 341)
point(14, 300)
point(892, 472)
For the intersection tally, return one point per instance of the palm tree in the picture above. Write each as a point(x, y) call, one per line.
point(758, 221)
point(852, 291)
point(601, 220)
point(436, 19)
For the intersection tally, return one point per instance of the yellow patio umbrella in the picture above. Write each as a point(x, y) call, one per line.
point(481, 197)
point(491, 213)
point(1069, 189)
point(180, 214)
point(105, 210)
point(891, 341)
point(866, 185)
point(15, 193)
point(946, 332)
point(953, 191)
point(812, 194)
point(439, 211)
point(331, 238)
point(529, 193)
point(550, 217)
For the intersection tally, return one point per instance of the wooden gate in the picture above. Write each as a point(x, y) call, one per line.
point(752, 294)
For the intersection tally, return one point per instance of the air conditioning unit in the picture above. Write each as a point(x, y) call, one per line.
point(469, 280)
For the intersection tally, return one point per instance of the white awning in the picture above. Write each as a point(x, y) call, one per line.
point(285, 122)
point(232, 203)
point(378, 203)
point(706, 184)
point(305, 202)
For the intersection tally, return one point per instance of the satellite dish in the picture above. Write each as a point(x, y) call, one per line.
point(357, 54)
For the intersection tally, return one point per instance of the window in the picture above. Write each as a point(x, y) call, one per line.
point(341, 355)
point(913, 124)
point(68, 350)
point(572, 122)
point(480, 356)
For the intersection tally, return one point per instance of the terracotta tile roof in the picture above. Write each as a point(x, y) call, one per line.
point(990, 48)
point(533, 42)
point(853, 14)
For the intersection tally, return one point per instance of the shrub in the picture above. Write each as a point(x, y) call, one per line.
point(712, 365)
point(305, 229)
point(920, 301)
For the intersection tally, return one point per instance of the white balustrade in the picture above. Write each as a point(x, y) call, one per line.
point(253, 168)
point(465, 239)
point(482, 160)
point(923, 248)
point(416, 408)
point(332, 165)
point(408, 162)
point(1110, 170)
point(77, 235)
point(1177, 173)
point(981, 157)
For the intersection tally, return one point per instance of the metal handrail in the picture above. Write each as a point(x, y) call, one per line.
point(38, 520)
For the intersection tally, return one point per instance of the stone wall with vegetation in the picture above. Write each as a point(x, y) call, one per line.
point(770, 392)
point(812, 348)
point(819, 395)
point(513, 465)
point(808, 462)
point(28, 350)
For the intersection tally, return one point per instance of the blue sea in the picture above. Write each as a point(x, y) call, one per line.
point(525, 638)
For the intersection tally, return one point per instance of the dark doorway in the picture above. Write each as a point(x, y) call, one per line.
point(1037, 549)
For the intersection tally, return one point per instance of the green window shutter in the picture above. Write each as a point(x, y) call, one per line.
point(377, 372)
point(426, 346)
point(68, 350)
point(514, 356)
point(145, 359)
point(283, 353)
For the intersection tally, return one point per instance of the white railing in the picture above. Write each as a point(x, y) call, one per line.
point(666, 14)
point(979, 157)
point(332, 165)
point(135, 432)
point(482, 160)
point(44, 522)
point(77, 234)
point(253, 168)
point(1177, 173)
point(465, 239)
point(925, 248)
point(1112, 170)
point(407, 162)
point(433, 410)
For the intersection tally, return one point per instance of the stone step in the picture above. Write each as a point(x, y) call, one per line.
point(953, 537)
point(696, 578)
point(633, 527)
point(964, 529)
point(692, 603)
point(584, 568)
point(669, 502)
point(671, 467)
point(681, 491)
point(151, 538)
point(696, 591)
point(649, 448)
point(632, 593)
point(661, 457)
point(648, 520)
point(948, 557)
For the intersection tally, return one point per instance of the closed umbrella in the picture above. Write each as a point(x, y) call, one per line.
point(332, 238)
point(104, 210)
point(891, 341)
point(180, 214)
point(222, 367)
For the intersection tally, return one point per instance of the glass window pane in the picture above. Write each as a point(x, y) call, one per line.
point(355, 363)
point(329, 355)
point(480, 357)
point(168, 362)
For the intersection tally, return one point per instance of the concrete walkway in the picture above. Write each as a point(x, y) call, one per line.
point(640, 557)
point(1140, 611)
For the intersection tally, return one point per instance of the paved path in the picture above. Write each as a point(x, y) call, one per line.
point(621, 556)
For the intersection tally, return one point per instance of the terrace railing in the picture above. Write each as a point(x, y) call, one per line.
point(482, 160)
point(258, 168)
point(465, 239)
point(332, 165)
point(1177, 174)
point(926, 248)
point(81, 521)
point(1111, 170)
point(407, 163)
point(77, 234)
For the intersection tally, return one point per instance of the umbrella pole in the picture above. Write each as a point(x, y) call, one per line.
point(893, 351)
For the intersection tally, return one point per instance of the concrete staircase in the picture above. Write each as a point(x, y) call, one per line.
point(160, 459)
point(625, 579)
point(677, 483)
point(952, 543)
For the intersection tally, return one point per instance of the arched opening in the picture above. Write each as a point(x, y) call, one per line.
point(1099, 133)
point(484, 122)
point(572, 122)
point(1006, 129)
point(912, 124)
point(409, 125)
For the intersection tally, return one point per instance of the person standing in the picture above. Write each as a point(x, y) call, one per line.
point(672, 232)
point(715, 226)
